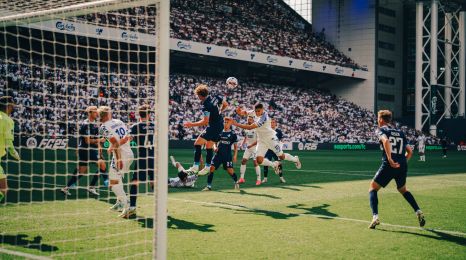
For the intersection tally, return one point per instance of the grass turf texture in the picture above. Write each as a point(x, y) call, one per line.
point(322, 211)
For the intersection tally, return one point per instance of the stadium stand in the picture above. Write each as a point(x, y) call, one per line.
point(237, 24)
point(51, 99)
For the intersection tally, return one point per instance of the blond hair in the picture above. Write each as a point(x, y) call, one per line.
point(386, 115)
point(91, 108)
point(202, 90)
point(104, 110)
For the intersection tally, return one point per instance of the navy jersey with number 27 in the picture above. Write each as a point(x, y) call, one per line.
point(397, 141)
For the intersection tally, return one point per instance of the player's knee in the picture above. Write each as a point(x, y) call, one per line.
point(402, 190)
point(260, 160)
point(244, 161)
point(282, 156)
point(374, 186)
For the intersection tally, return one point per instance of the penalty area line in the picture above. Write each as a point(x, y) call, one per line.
point(22, 254)
point(221, 205)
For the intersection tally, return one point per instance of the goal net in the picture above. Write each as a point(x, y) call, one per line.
point(88, 81)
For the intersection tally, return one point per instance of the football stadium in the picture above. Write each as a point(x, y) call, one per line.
point(222, 129)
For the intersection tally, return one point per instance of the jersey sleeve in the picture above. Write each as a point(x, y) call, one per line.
point(234, 138)
point(262, 120)
point(279, 134)
point(105, 133)
point(381, 133)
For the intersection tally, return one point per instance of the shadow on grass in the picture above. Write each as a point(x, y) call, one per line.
point(244, 192)
point(175, 223)
point(261, 212)
point(437, 235)
point(321, 210)
point(291, 187)
point(22, 241)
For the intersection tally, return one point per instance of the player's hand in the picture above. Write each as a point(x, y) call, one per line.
point(393, 164)
point(188, 124)
point(102, 140)
point(110, 149)
point(14, 154)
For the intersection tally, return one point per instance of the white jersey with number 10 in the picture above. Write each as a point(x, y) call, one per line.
point(116, 128)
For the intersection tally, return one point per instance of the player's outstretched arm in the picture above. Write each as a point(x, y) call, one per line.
point(244, 126)
point(224, 106)
point(203, 122)
point(240, 111)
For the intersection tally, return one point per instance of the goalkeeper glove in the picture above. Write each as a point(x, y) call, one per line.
point(14, 153)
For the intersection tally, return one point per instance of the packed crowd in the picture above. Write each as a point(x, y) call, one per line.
point(304, 115)
point(254, 25)
point(52, 99)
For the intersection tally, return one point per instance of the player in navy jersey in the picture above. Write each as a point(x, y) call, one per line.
point(212, 107)
point(223, 156)
point(89, 151)
point(270, 155)
point(395, 154)
point(143, 134)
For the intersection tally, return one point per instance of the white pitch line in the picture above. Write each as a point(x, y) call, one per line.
point(220, 205)
point(26, 255)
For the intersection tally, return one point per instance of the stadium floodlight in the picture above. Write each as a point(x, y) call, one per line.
point(58, 57)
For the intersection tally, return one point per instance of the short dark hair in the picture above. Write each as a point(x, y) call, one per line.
point(386, 115)
point(182, 175)
point(143, 110)
point(258, 106)
point(5, 101)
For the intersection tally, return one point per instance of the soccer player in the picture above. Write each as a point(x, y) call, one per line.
point(270, 155)
point(212, 107)
point(421, 146)
point(7, 127)
point(185, 178)
point(116, 132)
point(250, 139)
point(223, 156)
point(396, 153)
point(88, 151)
point(266, 137)
point(143, 134)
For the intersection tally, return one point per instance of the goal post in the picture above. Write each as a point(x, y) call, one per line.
point(57, 58)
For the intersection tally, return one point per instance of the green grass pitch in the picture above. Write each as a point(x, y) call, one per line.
point(321, 212)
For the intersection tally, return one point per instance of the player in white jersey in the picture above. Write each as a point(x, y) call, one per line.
point(421, 146)
point(266, 138)
point(116, 132)
point(250, 139)
point(186, 178)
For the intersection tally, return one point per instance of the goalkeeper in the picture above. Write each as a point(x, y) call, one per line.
point(6, 138)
